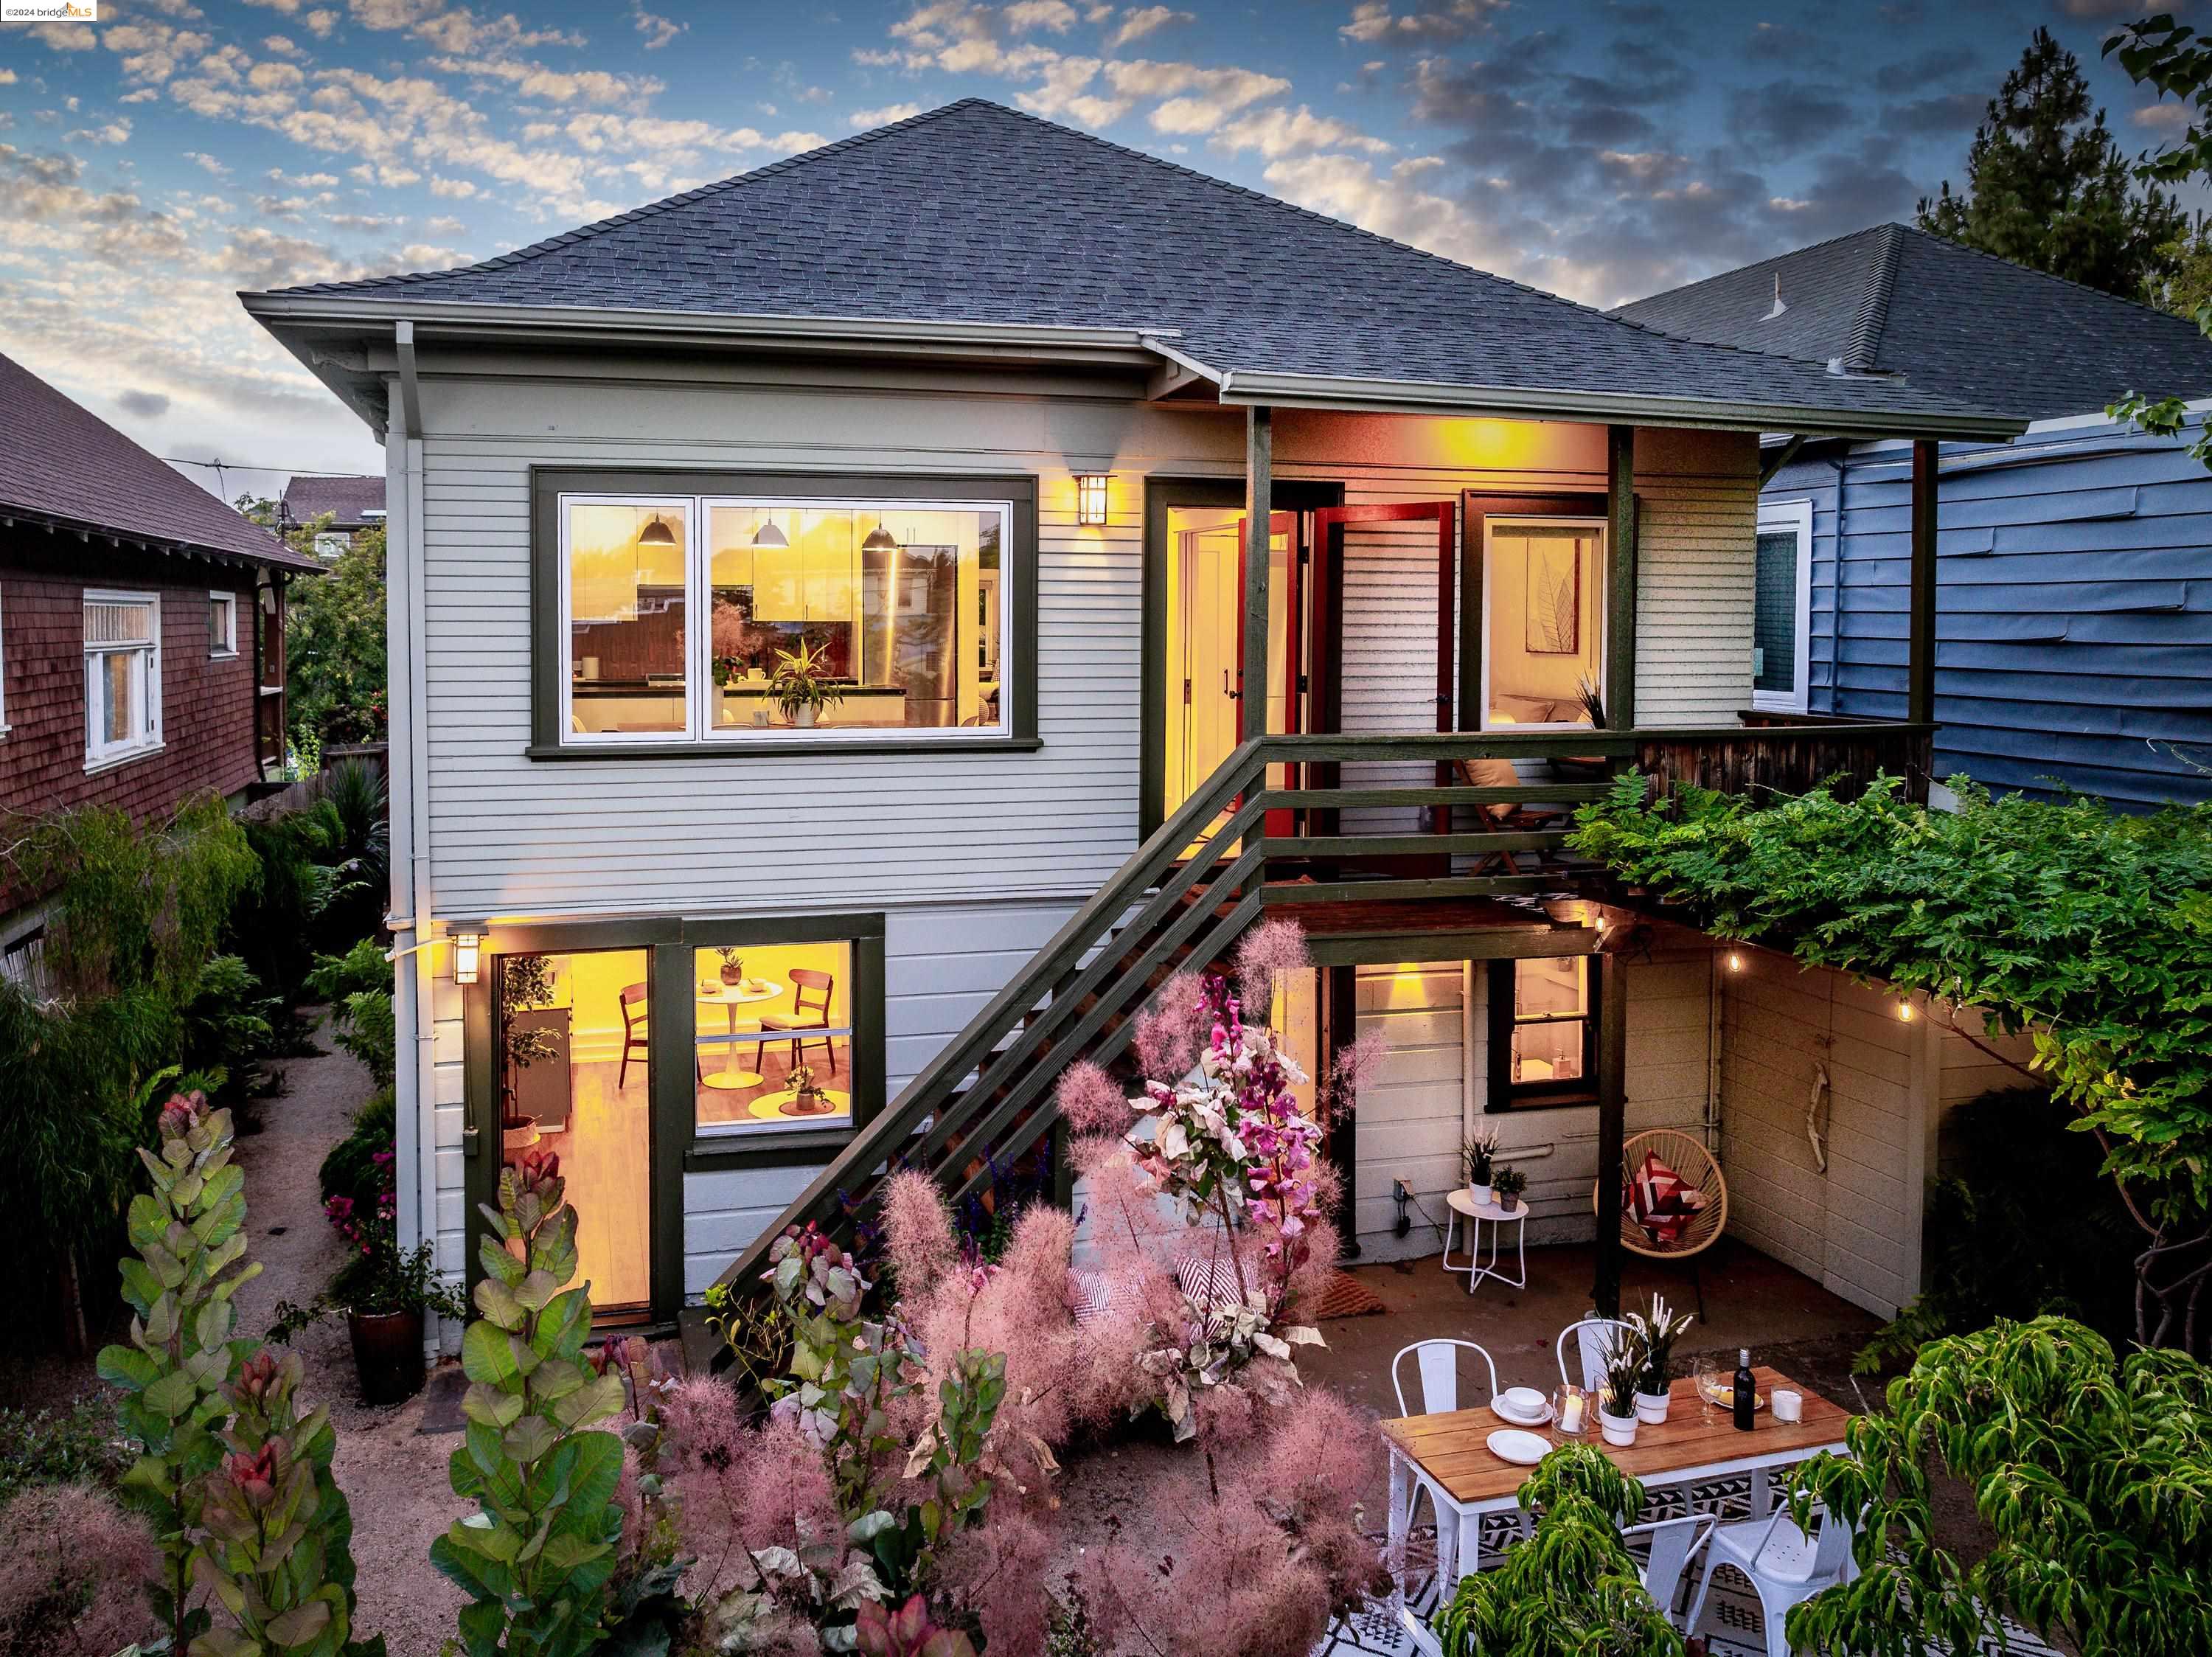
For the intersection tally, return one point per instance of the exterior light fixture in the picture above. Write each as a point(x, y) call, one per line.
point(880, 540)
point(770, 535)
point(1736, 960)
point(1905, 1014)
point(656, 533)
point(468, 944)
point(1090, 497)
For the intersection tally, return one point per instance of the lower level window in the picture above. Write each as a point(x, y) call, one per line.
point(774, 1036)
point(1543, 1026)
point(122, 674)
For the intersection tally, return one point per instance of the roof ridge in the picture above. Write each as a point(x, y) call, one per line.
point(651, 209)
point(1872, 315)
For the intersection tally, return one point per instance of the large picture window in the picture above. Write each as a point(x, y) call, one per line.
point(121, 676)
point(775, 618)
point(775, 1034)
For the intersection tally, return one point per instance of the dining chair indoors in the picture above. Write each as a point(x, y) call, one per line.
point(636, 1038)
point(1784, 1565)
point(1593, 1338)
point(811, 995)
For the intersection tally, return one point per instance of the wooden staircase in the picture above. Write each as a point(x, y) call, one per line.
point(1182, 901)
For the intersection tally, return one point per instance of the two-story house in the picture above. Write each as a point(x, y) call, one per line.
point(834, 681)
point(339, 506)
point(2074, 580)
point(141, 631)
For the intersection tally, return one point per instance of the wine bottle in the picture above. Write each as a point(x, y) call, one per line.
point(1747, 1390)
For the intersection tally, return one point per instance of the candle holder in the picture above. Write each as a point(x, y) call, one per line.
point(1570, 1410)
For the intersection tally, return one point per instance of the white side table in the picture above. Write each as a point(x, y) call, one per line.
point(1477, 1215)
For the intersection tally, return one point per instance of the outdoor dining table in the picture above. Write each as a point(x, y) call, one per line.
point(1696, 1442)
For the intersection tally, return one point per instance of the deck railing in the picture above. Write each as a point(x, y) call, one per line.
point(1188, 893)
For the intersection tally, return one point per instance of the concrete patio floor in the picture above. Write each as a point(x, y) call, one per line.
point(1782, 1315)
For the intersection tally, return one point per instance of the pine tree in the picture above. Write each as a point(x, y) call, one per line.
point(2046, 185)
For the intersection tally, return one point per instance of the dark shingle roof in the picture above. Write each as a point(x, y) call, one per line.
point(61, 463)
point(975, 213)
point(1950, 318)
point(349, 501)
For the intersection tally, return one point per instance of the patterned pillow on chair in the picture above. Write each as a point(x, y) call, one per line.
point(1659, 1201)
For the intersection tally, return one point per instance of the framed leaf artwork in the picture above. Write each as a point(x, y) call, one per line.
point(1554, 596)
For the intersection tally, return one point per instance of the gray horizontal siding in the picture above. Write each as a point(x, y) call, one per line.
point(2073, 623)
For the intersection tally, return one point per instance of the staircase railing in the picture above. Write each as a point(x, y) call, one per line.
point(1182, 901)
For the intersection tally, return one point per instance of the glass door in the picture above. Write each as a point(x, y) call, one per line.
point(573, 1070)
point(1204, 662)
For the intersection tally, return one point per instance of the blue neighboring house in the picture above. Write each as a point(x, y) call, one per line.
point(2073, 625)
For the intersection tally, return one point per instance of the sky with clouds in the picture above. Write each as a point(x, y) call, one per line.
point(157, 160)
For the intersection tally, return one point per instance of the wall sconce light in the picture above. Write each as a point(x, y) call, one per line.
point(1090, 497)
point(468, 944)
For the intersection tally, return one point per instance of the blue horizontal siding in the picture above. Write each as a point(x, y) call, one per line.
point(2074, 619)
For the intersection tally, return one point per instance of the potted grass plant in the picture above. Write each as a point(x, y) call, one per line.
point(1509, 1183)
point(800, 688)
point(1656, 1334)
point(1623, 1373)
point(1479, 1152)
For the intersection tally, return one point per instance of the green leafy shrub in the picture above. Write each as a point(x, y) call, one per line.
point(358, 985)
point(537, 1557)
point(229, 1027)
point(277, 1555)
point(352, 1170)
point(75, 1445)
point(2094, 1474)
point(1571, 1589)
point(189, 1233)
point(277, 918)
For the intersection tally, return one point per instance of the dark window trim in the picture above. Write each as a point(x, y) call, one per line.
point(675, 1147)
point(548, 657)
point(1161, 494)
point(1476, 508)
point(1504, 1095)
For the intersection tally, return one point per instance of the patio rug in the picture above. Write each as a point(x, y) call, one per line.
point(1345, 1296)
point(1731, 1620)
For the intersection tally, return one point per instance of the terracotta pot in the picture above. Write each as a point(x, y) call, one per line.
point(387, 1353)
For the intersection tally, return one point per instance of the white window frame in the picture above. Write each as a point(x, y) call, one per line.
point(1491, 528)
point(223, 648)
point(698, 652)
point(98, 755)
point(1778, 517)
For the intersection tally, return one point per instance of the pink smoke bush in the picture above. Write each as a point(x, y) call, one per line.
point(75, 1574)
point(1270, 954)
point(739, 1487)
point(1167, 1033)
point(1090, 1103)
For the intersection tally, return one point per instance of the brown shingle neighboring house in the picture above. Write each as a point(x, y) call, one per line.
point(351, 504)
point(141, 624)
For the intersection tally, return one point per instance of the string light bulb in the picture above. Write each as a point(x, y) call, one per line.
point(1906, 1012)
point(1736, 960)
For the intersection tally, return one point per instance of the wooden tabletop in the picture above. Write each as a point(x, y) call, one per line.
point(1450, 1447)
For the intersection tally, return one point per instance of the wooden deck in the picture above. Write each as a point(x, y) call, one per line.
point(1345, 932)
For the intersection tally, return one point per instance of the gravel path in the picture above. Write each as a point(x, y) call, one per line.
point(394, 1477)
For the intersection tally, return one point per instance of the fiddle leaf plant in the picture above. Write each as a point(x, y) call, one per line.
point(276, 1554)
point(190, 1235)
point(536, 1557)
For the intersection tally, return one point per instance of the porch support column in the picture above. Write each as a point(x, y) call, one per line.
point(1259, 497)
point(1620, 578)
point(1611, 1119)
point(1920, 648)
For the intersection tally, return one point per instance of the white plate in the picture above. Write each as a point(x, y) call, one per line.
point(1522, 1449)
point(1500, 1408)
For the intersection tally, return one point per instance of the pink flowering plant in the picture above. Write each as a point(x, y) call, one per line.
point(378, 1277)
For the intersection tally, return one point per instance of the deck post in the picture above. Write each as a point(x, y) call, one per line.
point(1259, 505)
point(1920, 649)
point(1620, 578)
point(1612, 1126)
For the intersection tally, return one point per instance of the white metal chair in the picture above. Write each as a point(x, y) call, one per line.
point(1784, 1565)
point(1674, 1544)
point(1425, 1643)
point(1437, 1364)
point(1596, 1337)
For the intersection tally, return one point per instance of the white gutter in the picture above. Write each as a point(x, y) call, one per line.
point(1244, 386)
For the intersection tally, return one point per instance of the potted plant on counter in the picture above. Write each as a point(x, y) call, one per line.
point(1508, 1184)
point(1623, 1373)
point(385, 1293)
point(1656, 1335)
point(800, 688)
point(733, 966)
point(1479, 1152)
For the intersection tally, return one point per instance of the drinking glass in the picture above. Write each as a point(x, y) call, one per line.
point(1708, 1378)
